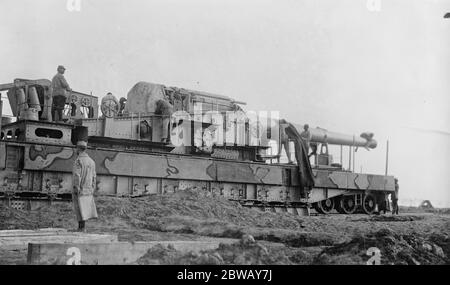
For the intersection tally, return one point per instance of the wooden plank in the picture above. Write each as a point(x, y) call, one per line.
point(107, 253)
point(45, 231)
point(16, 240)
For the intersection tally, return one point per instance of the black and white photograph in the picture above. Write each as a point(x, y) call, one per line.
point(239, 134)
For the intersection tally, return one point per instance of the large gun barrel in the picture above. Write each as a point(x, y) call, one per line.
point(320, 135)
point(143, 96)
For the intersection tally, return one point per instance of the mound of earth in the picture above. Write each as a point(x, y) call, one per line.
point(55, 215)
point(195, 215)
point(195, 205)
point(391, 218)
point(245, 252)
point(185, 212)
point(393, 248)
point(153, 212)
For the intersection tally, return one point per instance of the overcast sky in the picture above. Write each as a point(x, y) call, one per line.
point(333, 64)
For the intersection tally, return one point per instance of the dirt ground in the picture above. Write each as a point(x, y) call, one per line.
point(414, 237)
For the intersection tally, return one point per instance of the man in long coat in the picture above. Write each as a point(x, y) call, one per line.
point(84, 182)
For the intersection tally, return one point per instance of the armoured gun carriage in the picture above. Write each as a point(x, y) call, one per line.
point(211, 149)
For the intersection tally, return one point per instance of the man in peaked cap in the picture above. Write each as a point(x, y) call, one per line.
point(59, 87)
point(84, 184)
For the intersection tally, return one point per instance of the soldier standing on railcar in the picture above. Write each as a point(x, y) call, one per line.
point(165, 110)
point(307, 137)
point(59, 87)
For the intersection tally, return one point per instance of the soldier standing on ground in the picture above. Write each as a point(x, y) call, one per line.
point(394, 198)
point(84, 183)
point(59, 87)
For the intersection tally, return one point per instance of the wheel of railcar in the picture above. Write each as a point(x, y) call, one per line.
point(369, 204)
point(326, 206)
point(348, 204)
point(337, 205)
point(318, 208)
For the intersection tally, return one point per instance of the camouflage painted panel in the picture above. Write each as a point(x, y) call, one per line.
point(131, 164)
point(390, 183)
point(56, 158)
point(375, 182)
point(248, 173)
point(60, 159)
point(322, 178)
point(339, 179)
point(356, 181)
point(371, 182)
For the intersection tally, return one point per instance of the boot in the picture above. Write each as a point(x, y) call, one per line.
point(81, 226)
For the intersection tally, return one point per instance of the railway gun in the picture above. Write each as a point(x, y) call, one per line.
point(215, 146)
